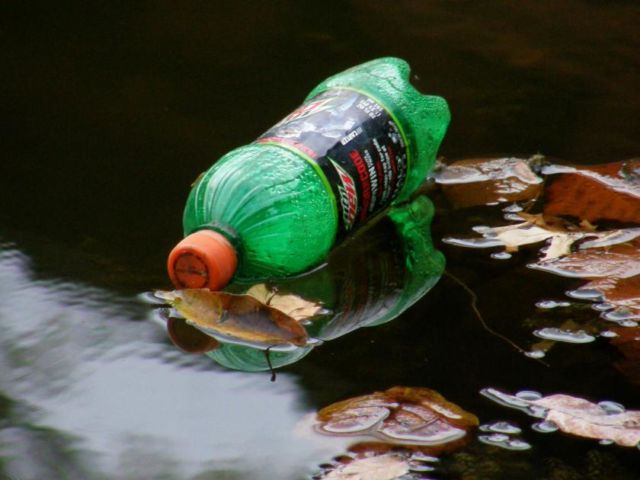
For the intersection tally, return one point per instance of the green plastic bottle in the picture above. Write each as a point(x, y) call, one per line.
point(361, 140)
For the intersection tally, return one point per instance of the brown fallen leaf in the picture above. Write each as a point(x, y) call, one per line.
point(296, 307)
point(627, 341)
point(481, 181)
point(579, 417)
point(239, 317)
point(399, 415)
point(595, 193)
point(387, 466)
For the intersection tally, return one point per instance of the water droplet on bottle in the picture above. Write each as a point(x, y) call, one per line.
point(545, 427)
point(567, 336)
point(611, 408)
point(501, 256)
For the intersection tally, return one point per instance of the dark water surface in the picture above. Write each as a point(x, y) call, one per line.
point(110, 110)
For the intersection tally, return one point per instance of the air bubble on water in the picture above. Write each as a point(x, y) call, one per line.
point(585, 294)
point(151, 298)
point(611, 408)
point(501, 256)
point(512, 217)
point(504, 399)
point(602, 307)
point(316, 342)
point(501, 427)
point(504, 441)
point(537, 354)
point(628, 323)
point(529, 395)
point(420, 467)
point(492, 204)
point(545, 427)
point(482, 229)
point(618, 315)
point(513, 208)
point(423, 457)
point(608, 334)
point(567, 336)
point(606, 441)
point(549, 304)
point(473, 242)
point(536, 411)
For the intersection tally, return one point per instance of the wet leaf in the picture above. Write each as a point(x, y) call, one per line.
point(380, 467)
point(239, 317)
point(627, 340)
point(595, 193)
point(480, 181)
point(296, 307)
point(578, 416)
point(189, 338)
point(400, 415)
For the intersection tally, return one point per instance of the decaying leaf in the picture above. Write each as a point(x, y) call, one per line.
point(400, 415)
point(189, 338)
point(480, 181)
point(239, 317)
point(595, 193)
point(578, 417)
point(627, 340)
point(380, 467)
point(296, 307)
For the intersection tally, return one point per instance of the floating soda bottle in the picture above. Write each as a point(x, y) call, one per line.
point(363, 139)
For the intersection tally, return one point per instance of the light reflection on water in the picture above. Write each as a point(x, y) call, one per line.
point(112, 396)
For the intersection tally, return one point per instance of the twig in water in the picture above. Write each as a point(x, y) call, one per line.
point(266, 355)
point(476, 311)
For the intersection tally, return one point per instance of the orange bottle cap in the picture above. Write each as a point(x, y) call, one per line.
point(204, 259)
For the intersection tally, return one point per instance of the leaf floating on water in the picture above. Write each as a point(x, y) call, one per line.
point(602, 192)
point(400, 415)
point(578, 416)
point(481, 181)
point(380, 467)
point(296, 307)
point(240, 317)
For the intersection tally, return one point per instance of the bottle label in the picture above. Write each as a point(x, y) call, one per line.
point(357, 146)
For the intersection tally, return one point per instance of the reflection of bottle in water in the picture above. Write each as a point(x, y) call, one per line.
point(366, 282)
point(362, 139)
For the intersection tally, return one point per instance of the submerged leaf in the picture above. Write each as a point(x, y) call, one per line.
point(578, 416)
point(602, 192)
point(480, 181)
point(400, 415)
point(296, 307)
point(239, 317)
point(380, 467)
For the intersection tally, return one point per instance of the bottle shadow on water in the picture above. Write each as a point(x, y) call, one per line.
point(369, 280)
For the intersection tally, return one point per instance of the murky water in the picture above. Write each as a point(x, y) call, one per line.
point(110, 112)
